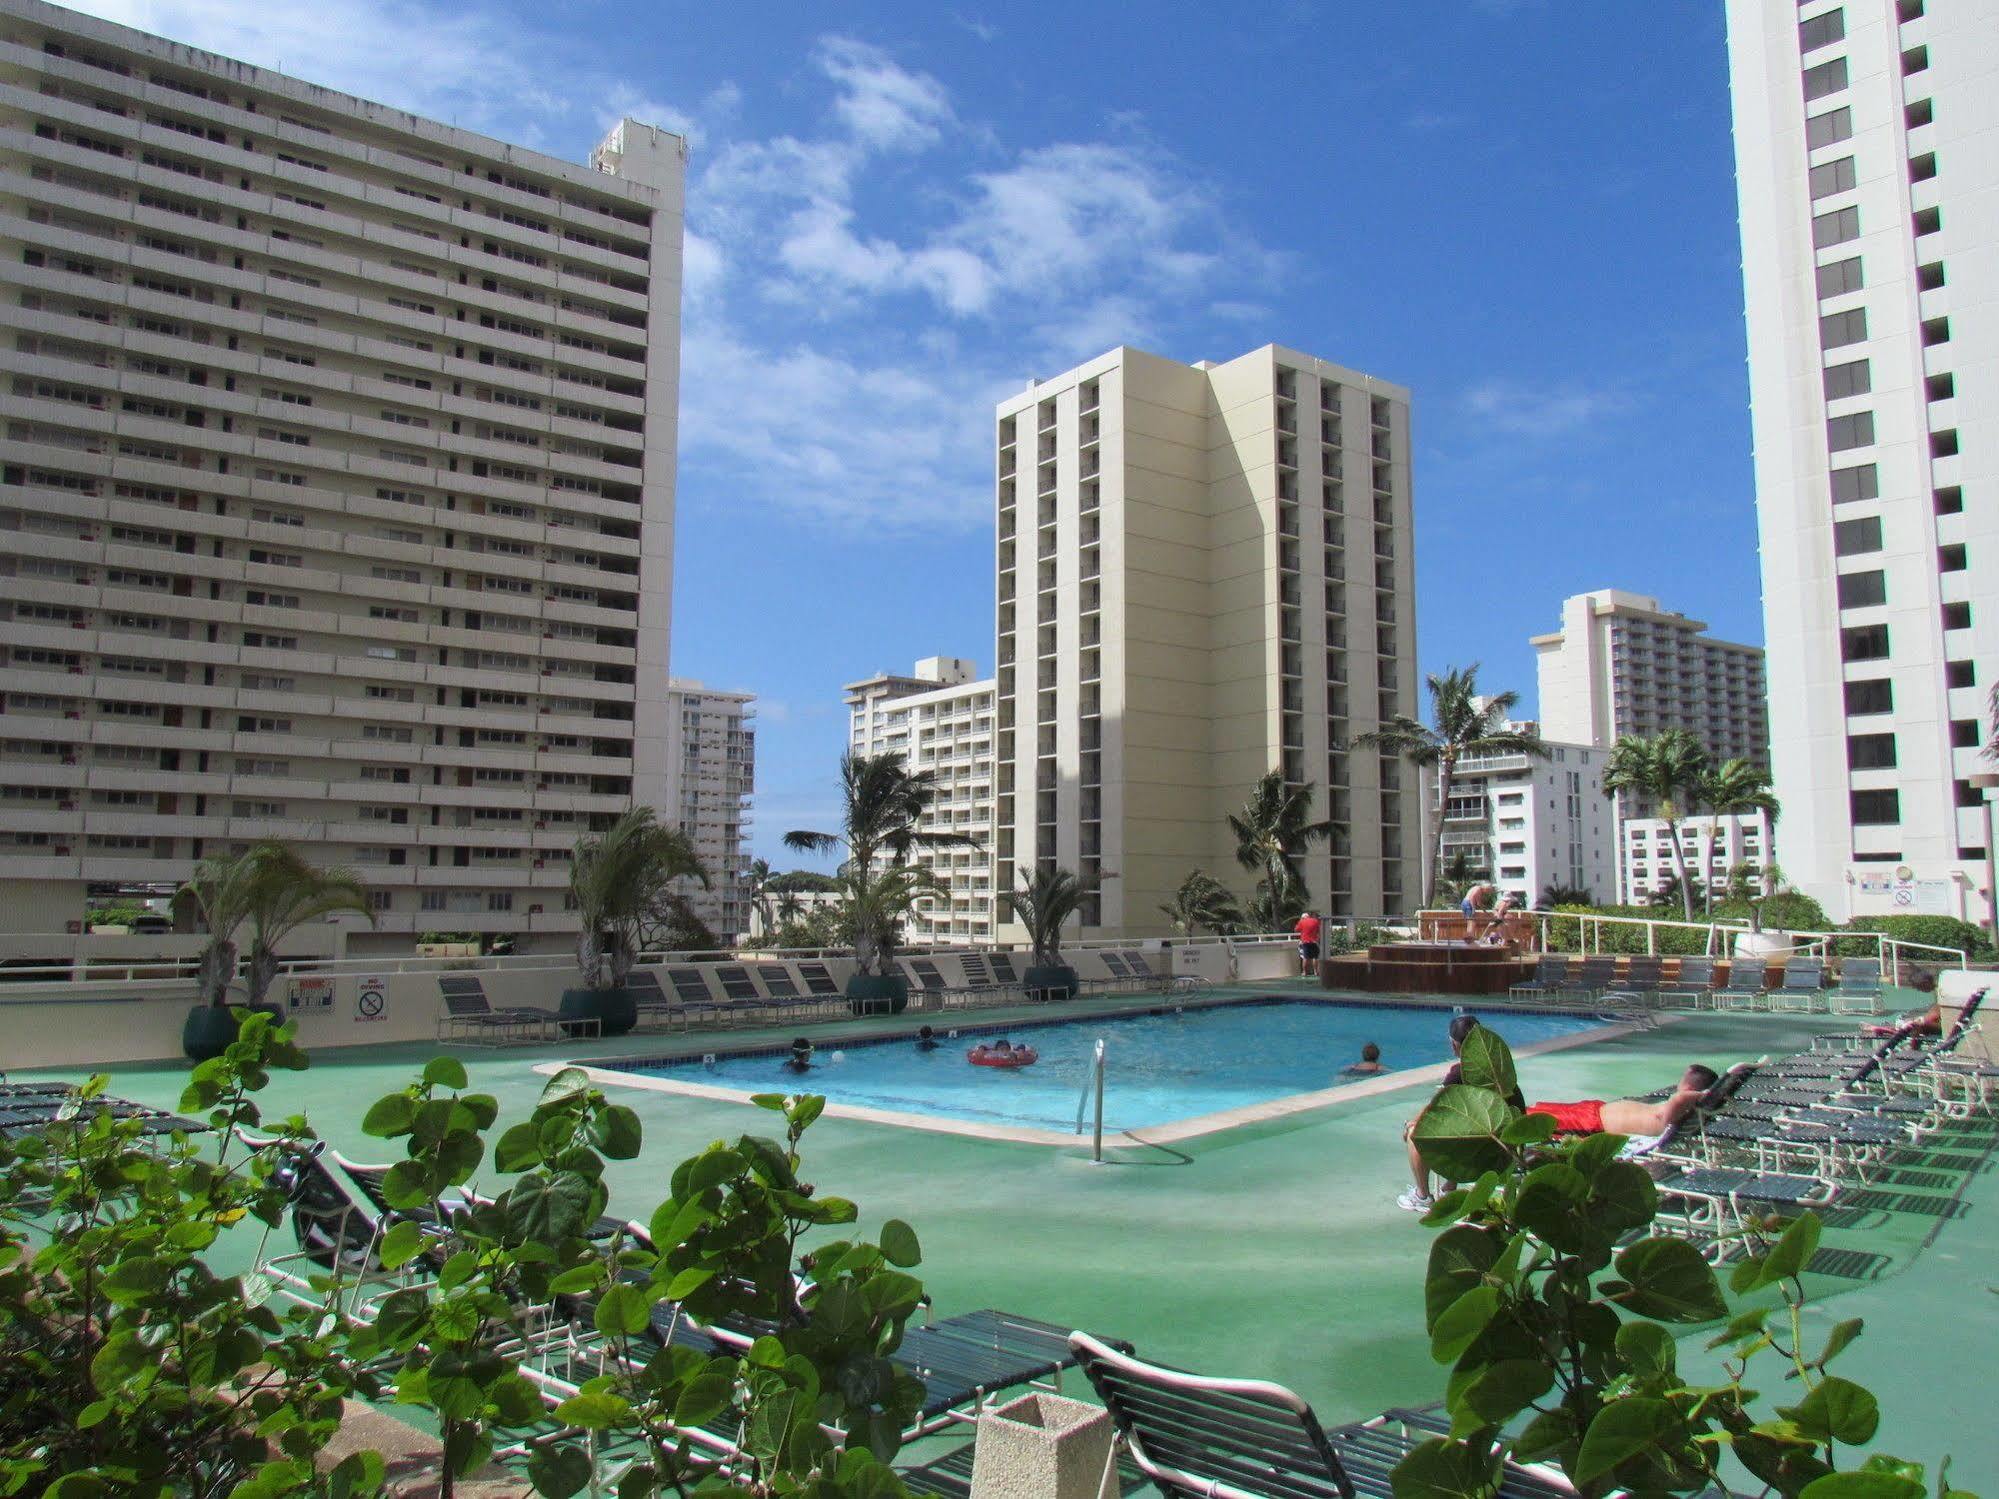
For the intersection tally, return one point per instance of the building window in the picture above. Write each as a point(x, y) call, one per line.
point(1957, 616)
point(1959, 674)
point(1864, 643)
point(1838, 329)
point(1836, 227)
point(1862, 482)
point(1964, 733)
point(1832, 177)
point(1829, 128)
point(1853, 537)
point(1874, 809)
point(1952, 559)
point(1870, 751)
point(1852, 378)
point(1838, 278)
point(1862, 590)
point(1821, 31)
point(1826, 78)
point(1854, 431)
point(1873, 695)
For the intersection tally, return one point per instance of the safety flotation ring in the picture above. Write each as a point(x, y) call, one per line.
point(1020, 1056)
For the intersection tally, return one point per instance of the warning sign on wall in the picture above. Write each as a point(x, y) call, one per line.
point(312, 994)
point(371, 1002)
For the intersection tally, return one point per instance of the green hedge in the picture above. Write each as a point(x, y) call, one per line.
point(1565, 932)
point(1787, 911)
point(1938, 931)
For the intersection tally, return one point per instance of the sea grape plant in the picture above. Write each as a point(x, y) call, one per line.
point(1554, 1304)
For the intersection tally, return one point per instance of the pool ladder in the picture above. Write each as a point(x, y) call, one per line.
point(1093, 1083)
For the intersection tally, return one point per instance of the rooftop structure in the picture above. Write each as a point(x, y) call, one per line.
point(1869, 200)
point(713, 771)
point(1206, 573)
point(940, 719)
point(338, 484)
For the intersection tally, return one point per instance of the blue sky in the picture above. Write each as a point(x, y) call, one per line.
point(1523, 211)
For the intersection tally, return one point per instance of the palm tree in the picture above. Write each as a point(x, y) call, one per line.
point(622, 881)
point(1272, 832)
point(756, 886)
point(1043, 902)
point(1553, 895)
point(275, 891)
point(883, 801)
point(1465, 724)
point(1203, 901)
point(1729, 790)
point(1664, 770)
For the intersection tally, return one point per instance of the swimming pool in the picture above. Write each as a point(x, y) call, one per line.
point(1161, 1067)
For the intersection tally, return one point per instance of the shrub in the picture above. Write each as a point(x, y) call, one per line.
point(1565, 935)
point(1936, 931)
point(1786, 911)
point(1551, 1301)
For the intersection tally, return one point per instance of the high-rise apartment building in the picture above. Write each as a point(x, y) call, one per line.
point(1622, 663)
point(712, 772)
point(1738, 841)
point(1869, 198)
point(940, 719)
point(1206, 573)
point(337, 484)
point(1526, 823)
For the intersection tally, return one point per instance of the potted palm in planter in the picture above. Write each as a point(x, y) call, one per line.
point(884, 803)
point(622, 882)
point(1043, 903)
point(275, 891)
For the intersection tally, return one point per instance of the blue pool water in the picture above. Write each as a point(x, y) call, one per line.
point(1159, 1068)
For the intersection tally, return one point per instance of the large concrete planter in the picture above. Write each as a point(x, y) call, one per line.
point(877, 994)
point(614, 1010)
point(1051, 981)
point(208, 1030)
point(1045, 1447)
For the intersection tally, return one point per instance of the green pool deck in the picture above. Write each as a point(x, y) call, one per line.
point(1275, 1249)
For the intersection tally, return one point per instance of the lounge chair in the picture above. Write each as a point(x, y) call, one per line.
point(1642, 975)
point(980, 986)
point(1548, 975)
point(1138, 965)
point(1719, 1204)
point(1800, 992)
point(781, 987)
point(1690, 986)
point(927, 980)
point(1746, 988)
point(1859, 990)
point(650, 999)
point(1192, 1434)
point(692, 994)
point(821, 988)
point(470, 1019)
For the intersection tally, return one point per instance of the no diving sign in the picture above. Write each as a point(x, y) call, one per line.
point(371, 1000)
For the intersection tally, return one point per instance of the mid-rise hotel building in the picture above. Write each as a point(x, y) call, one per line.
point(1867, 169)
point(337, 484)
point(711, 777)
point(1205, 573)
point(939, 718)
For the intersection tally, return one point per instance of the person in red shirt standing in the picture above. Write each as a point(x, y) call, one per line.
point(1308, 944)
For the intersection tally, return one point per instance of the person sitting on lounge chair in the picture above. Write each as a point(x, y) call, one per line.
point(1419, 1198)
point(1369, 1063)
point(1630, 1116)
point(1916, 1023)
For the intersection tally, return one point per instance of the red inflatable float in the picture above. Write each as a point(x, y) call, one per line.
point(1013, 1056)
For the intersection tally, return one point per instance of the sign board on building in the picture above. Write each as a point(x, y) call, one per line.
point(371, 1000)
point(312, 994)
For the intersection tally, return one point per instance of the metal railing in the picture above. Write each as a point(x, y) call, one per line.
point(1093, 1083)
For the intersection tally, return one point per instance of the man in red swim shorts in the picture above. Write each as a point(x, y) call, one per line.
point(1629, 1116)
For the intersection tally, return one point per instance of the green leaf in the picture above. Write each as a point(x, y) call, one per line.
point(711, 1168)
point(122, 1357)
point(1622, 1430)
point(688, 1281)
point(570, 1082)
point(519, 1149)
point(674, 1221)
point(390, 1116)
point(1443, 1469)
point(1837, 1410)
point(1529, 1129)
point(1458, 1134)
point(1793, 1251)
point(1622, 1197)
point(1742, 1325)
point(1669, 1282)
point(804, 1110)
point(1647, 1349)
point(1861, 1484)
point(617, 1132)
point(558, 1472)
point(1842, 1334)
point(1459, 1259)
point(1458, 1328)
point(623, 1308)
point(446, 1072)
point(401, 1244)
point(768, 1160)
point(1546, 1435)
point(578, 1279)
point(546, 1208)
point(898, 1244)
point(594, 1410)
point(1547, 1206)
point(1485, 1061)
point(1503, 1389)
point(705, 1396)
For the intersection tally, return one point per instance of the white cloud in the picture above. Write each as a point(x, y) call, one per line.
point(1517, 408)
point(882, 104)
